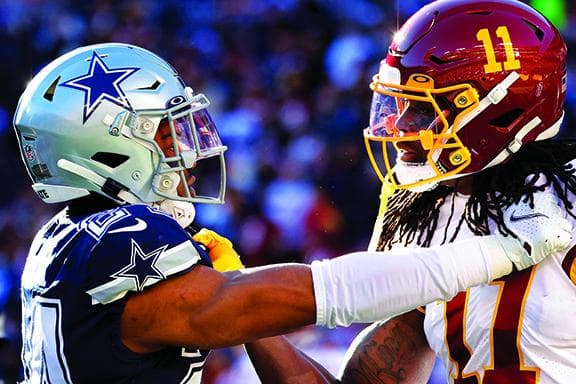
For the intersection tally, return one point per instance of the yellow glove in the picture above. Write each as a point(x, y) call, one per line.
point(224, 257)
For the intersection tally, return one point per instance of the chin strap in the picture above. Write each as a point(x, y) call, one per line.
point(495, 96)
point(407, 173)
point(516, 143)
point(108, 186)
point(182, 211)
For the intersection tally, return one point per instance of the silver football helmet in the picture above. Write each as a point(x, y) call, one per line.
point(116, 119)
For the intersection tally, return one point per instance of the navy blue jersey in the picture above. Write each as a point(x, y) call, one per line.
point(78, 276)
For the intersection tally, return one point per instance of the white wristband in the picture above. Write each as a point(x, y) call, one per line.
point(370, 286)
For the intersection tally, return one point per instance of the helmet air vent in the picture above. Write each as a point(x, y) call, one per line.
point(436, 60)
point(109, 159)
point(504, 121)
point(537, 31)
point(441, 61)
point(479, 13)
point(151, 87)
point(49, 94)
point(40, 171)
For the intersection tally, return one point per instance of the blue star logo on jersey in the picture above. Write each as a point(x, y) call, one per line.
point(142, 266)
point(101, 83)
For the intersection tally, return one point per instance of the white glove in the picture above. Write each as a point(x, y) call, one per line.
point(541, 230)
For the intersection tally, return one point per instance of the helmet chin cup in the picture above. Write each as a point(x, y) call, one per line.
point(413, 176)
point(181, 211)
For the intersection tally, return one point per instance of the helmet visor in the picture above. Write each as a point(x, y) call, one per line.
point(205, 129)
point(421, 123)
point(405, 114)
point(185, 135)
point(181, 134)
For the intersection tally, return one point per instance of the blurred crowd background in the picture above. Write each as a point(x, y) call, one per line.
point(288, 82)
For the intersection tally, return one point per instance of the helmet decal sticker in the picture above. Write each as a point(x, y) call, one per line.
point(29, 152)
point(101, 83)
point(176, 100)
point(493, 65)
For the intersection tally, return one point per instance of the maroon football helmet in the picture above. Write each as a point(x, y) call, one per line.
point(464, 85)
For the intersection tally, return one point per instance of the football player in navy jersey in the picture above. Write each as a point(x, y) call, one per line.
point(116, 290)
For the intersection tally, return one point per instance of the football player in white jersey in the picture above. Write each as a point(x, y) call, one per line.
point(470, 95)
point(116, 290)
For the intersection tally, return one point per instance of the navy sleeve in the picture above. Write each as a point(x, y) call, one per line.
point(141, 248)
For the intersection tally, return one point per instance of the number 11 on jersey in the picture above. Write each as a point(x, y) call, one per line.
point(507, 362)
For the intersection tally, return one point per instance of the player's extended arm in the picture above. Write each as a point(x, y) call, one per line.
point(208, 309)
point(277, 361)
point(205, 309)
point(393, 351)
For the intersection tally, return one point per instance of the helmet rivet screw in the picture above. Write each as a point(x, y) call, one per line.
point(166, 183)
point(136, 175)
point(114, 131)
point(457, 159)
point(147, 126)
point(462, 100)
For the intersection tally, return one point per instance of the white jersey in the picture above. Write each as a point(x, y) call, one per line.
point(518, 329)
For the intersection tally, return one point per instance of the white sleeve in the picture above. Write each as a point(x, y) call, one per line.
point(369, 286)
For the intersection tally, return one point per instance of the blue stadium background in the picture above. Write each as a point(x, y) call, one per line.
point(288, 81)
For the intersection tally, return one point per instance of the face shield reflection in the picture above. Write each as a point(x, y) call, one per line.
point(208, 138)
point(395, 116)
point(202, 129)
point(173, 143)
point(185, 137)
point(383, 115)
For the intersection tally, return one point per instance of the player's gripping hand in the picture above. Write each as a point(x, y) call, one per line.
point(223, 255)
point(541, 230)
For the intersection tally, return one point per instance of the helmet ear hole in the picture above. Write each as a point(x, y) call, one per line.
point(109, 159)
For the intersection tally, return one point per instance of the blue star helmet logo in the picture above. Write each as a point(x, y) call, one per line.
point(101, 83)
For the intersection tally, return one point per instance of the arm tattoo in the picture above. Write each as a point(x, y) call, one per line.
point(390, 353)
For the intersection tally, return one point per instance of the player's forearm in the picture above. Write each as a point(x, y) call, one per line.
point(255, 303)
point(277, 361)
point(206, 309)
point(370, 286)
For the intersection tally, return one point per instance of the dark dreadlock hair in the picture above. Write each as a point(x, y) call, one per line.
point(414, 216)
